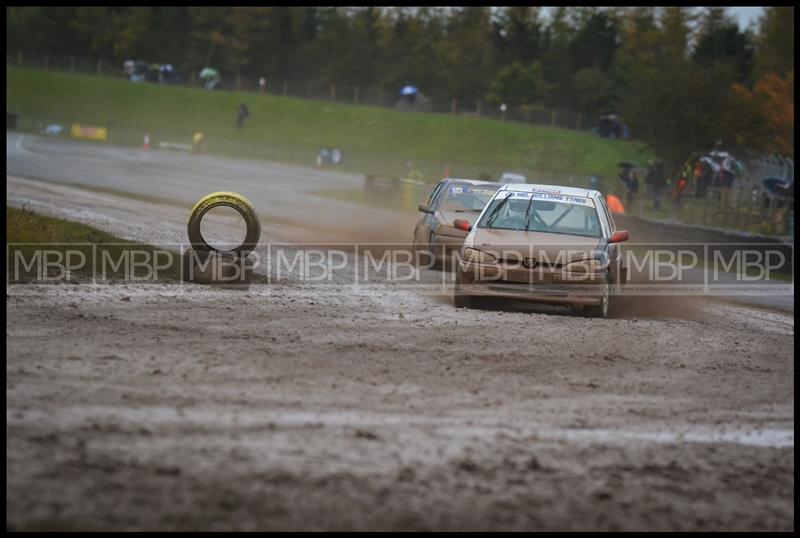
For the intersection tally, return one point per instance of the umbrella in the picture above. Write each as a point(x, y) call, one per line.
point(209, 72)
point(626, 164)
point(409, 90)
point(777, 186)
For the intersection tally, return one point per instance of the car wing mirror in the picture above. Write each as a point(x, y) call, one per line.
point(462, 224)
point(425, 208)
point(619, 237)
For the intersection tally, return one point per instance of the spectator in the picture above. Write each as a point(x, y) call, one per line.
point(243, 114)
point(680, 187)
point(197, 142)
point(655, 181)
point(630, 180)
point(634, 186)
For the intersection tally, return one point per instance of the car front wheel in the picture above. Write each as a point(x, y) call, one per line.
point(600, 310)
point(422, 256)
point(460, 299)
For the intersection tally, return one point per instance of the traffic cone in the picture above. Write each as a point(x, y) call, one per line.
point(146, 144)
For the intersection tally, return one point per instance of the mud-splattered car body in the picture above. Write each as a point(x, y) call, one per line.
point(542, 243)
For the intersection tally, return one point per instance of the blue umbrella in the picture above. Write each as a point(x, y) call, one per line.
point(409, 90)
point(777, 186)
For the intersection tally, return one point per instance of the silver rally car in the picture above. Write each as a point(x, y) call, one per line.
point(451, 199)
point(542, 243)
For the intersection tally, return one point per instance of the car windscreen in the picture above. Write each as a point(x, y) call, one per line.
point(467, 197)
point(542, 212)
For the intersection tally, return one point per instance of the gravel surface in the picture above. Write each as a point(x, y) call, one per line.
point(340, 407)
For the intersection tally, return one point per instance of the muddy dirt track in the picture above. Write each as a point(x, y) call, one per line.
point(293, 406)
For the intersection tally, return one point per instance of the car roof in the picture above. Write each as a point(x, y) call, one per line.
point(569, 191)
point(473, 181)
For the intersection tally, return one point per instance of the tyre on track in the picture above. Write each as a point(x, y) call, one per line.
point(227, 199)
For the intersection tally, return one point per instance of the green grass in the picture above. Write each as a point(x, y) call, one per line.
point(373, 140)
point(28, 233)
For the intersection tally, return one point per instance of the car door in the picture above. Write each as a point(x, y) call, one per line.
point(444, 234)
point(618, 273)
point(427, 221)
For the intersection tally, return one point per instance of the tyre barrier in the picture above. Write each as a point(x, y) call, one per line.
point(206, 264)
point(226, 199)
point(216, 268)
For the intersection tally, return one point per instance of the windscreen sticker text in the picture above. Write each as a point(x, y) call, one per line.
point(552, 196)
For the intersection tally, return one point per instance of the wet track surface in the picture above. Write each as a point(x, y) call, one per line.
point(280, 192)
point(298, 406)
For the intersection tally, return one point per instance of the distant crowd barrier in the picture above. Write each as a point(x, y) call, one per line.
point(175, 145)
point(323, 90)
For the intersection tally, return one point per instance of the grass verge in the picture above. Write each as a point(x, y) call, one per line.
point(52, 250)
point(373, 140)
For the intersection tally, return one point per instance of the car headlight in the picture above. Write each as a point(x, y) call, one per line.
point(478, 256)
point(587, 266)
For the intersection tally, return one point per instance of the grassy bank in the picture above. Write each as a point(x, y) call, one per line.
point(40, 247)
point(373, 140)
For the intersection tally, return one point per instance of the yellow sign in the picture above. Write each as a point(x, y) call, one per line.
point(88, 132)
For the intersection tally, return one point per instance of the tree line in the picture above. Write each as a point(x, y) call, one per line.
point(674, 73)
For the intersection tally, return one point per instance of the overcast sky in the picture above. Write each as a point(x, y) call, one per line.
point(745, 15)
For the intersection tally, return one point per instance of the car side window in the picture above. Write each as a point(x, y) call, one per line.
point(607, 213)
point(435, 193)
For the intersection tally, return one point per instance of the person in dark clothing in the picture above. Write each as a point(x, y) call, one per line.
point(680, 188)
point(633, 188)
point(656, 181)
point(243, 114)
point(630, 179)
